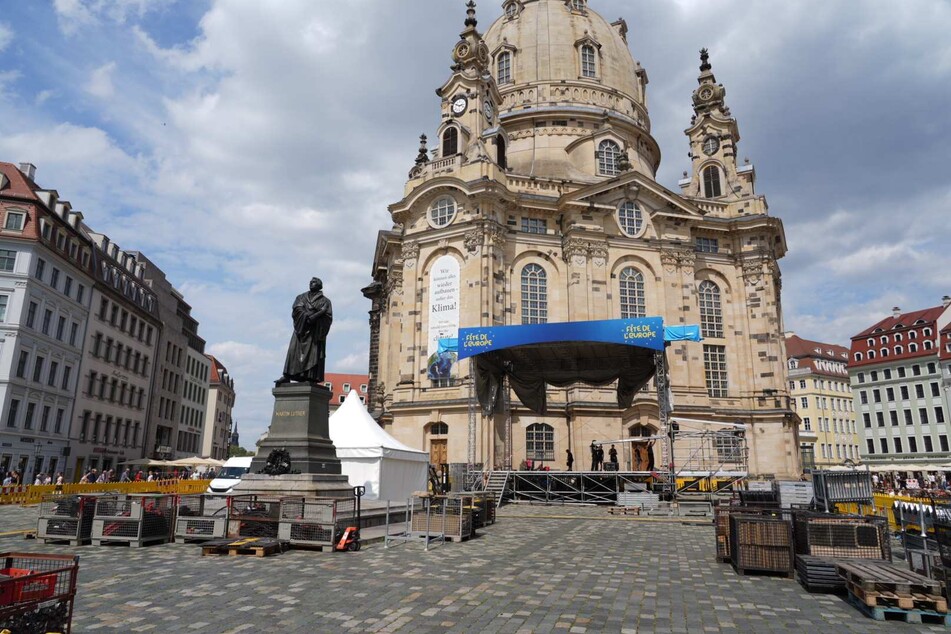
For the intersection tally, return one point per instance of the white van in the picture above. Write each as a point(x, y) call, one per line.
point(230, 474)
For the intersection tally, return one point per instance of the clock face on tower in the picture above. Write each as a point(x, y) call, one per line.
point(459, 105)
point(488, 110)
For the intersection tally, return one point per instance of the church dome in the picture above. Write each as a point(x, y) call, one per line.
point(560, 52)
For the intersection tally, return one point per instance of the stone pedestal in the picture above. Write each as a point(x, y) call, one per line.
point(300, 426)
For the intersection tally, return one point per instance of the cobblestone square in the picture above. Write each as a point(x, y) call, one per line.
point(539, 569)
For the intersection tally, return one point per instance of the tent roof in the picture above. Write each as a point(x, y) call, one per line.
point(352, 427)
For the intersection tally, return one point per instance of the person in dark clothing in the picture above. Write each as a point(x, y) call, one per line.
point(600, 458)
point(650, 456)
point(594, 456)
point(612, 456)
point(571, 458)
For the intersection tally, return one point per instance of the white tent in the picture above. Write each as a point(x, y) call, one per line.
point(372, 458)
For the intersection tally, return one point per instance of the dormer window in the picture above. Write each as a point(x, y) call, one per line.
point(504, 68)
point(512, 9)
point(14, 221)
point(711, 182)
point(576, 5)
point(608, 152)
point(588, 64)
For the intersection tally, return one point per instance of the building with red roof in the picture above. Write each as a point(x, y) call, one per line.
point(821, 395)
point(218, 422)
point(341, 384)
point(899, 375)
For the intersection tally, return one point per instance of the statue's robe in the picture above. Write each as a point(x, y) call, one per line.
point(312, 315)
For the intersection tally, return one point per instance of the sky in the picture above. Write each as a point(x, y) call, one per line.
point(247, 145)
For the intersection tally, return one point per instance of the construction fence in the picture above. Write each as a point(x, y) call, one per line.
point(34, 493)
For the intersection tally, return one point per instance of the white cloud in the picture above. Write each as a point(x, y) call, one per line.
point(72, 15)
point(6, 35)
point(42, 97)
point(100, 81)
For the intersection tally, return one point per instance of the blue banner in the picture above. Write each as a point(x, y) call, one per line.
point(644, 332)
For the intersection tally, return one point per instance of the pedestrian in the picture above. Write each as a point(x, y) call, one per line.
point(59, 479)
point(571, 459)
point(600, 459)
point(38, 480)
point(594, 455)
point(650, 456)
point(612, 455)
point(8, 479)
point(126, 476)
point(151, 477)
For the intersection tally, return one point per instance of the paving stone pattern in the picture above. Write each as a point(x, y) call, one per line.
point(534, 571)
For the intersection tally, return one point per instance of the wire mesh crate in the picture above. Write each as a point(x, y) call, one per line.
point(201, 517)
point(764, 498)
point(448, 516)
point(721, 516)
point(842, 536)
point(37, 592)
point(833, 487)
point(67, 518)
point(483, 509)
point(134, 519)
point(315, 521)
point(762, 543)
point(254, 516)
point(795, 494)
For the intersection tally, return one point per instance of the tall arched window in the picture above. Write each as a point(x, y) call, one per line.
point(540, 442)
point(711, 182)
point(534, 295)
point(450, 142)
point(438, 429)
point(711, 312)
point(632, 293)
point(607, 158)
point(588, 67)
point(500, 151)
point(504, 68)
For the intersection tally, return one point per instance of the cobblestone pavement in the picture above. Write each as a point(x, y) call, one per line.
point(530, 572)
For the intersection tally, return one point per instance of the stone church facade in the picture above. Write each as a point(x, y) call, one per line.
point(538, 203)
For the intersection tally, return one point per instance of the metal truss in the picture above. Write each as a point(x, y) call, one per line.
point(593, 487)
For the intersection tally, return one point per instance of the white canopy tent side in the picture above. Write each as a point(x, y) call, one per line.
point(372, 458)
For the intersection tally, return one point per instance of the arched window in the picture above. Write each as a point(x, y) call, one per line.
point(607, 158)
point(500, 151)
point(883, 339)
point(884, 352)
point(913, 334)
point(534, 295)
point(912, 347)
point(711, 182)
point(450, 142)
point(577, 5)
point(927, 344)
point(438, 429)
point(632, 293)
point(504, 68)
point(511, 9)
point(858, 356)
point(871, 354)
point(711, 313)
point(588, 67)
point(898, 350)
point(540, 442)
point(442, 212)
point(898, 336)
point(927, 332)
point(870, 342)
point(630, 218)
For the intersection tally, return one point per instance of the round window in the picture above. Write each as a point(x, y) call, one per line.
point(442, 212)
point(630, 218)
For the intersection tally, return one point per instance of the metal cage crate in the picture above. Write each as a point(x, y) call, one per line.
point(833, 487)
point(842, 536)
point(37, 592)
point(761, 543)
point(721, 516)
point(133, 519)
point(448, 516)
point(254, 516)
point(315, 521)
point(67, 518)
point(201, 517)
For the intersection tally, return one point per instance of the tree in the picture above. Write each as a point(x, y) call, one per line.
point(237, 452)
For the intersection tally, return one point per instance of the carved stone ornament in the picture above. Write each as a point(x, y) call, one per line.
point(394, 282)
point(409, 253)
point(472, 240)
point(752, 271)
point(677, 258)
point(575, 251)
point(496, 234)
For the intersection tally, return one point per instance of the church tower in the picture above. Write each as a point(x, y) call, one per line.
point(538, 203)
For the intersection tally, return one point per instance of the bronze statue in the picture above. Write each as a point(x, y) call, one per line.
point(312, 315)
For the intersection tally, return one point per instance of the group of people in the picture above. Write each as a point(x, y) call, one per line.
point(13, 478)
point(597, 458)
point(109, 475)
point(934, 484)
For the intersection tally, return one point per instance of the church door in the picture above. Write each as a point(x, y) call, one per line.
point(437, 451)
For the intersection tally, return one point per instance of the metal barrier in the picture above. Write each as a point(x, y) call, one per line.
point(882, 504)
point(34, 494)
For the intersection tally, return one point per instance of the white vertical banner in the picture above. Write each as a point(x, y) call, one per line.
point(443, 316)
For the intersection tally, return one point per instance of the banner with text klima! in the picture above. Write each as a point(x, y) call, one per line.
point(643, 332)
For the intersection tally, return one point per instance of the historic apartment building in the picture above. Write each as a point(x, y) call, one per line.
point(900, 393)
point(191, 428)
point(115, 377)
point(538, 203)
point(45, 292)
point(341, 384)
point(822, 396)
point(218, 423)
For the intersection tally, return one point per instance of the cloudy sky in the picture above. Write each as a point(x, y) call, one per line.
point(246, 145)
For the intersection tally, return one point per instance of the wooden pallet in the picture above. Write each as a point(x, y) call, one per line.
point(914, 601)
point(899, 614)
point(624, 510)
point(257, 546)
point(876, 576)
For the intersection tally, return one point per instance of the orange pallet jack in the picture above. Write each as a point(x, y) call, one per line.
point(349, 539)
